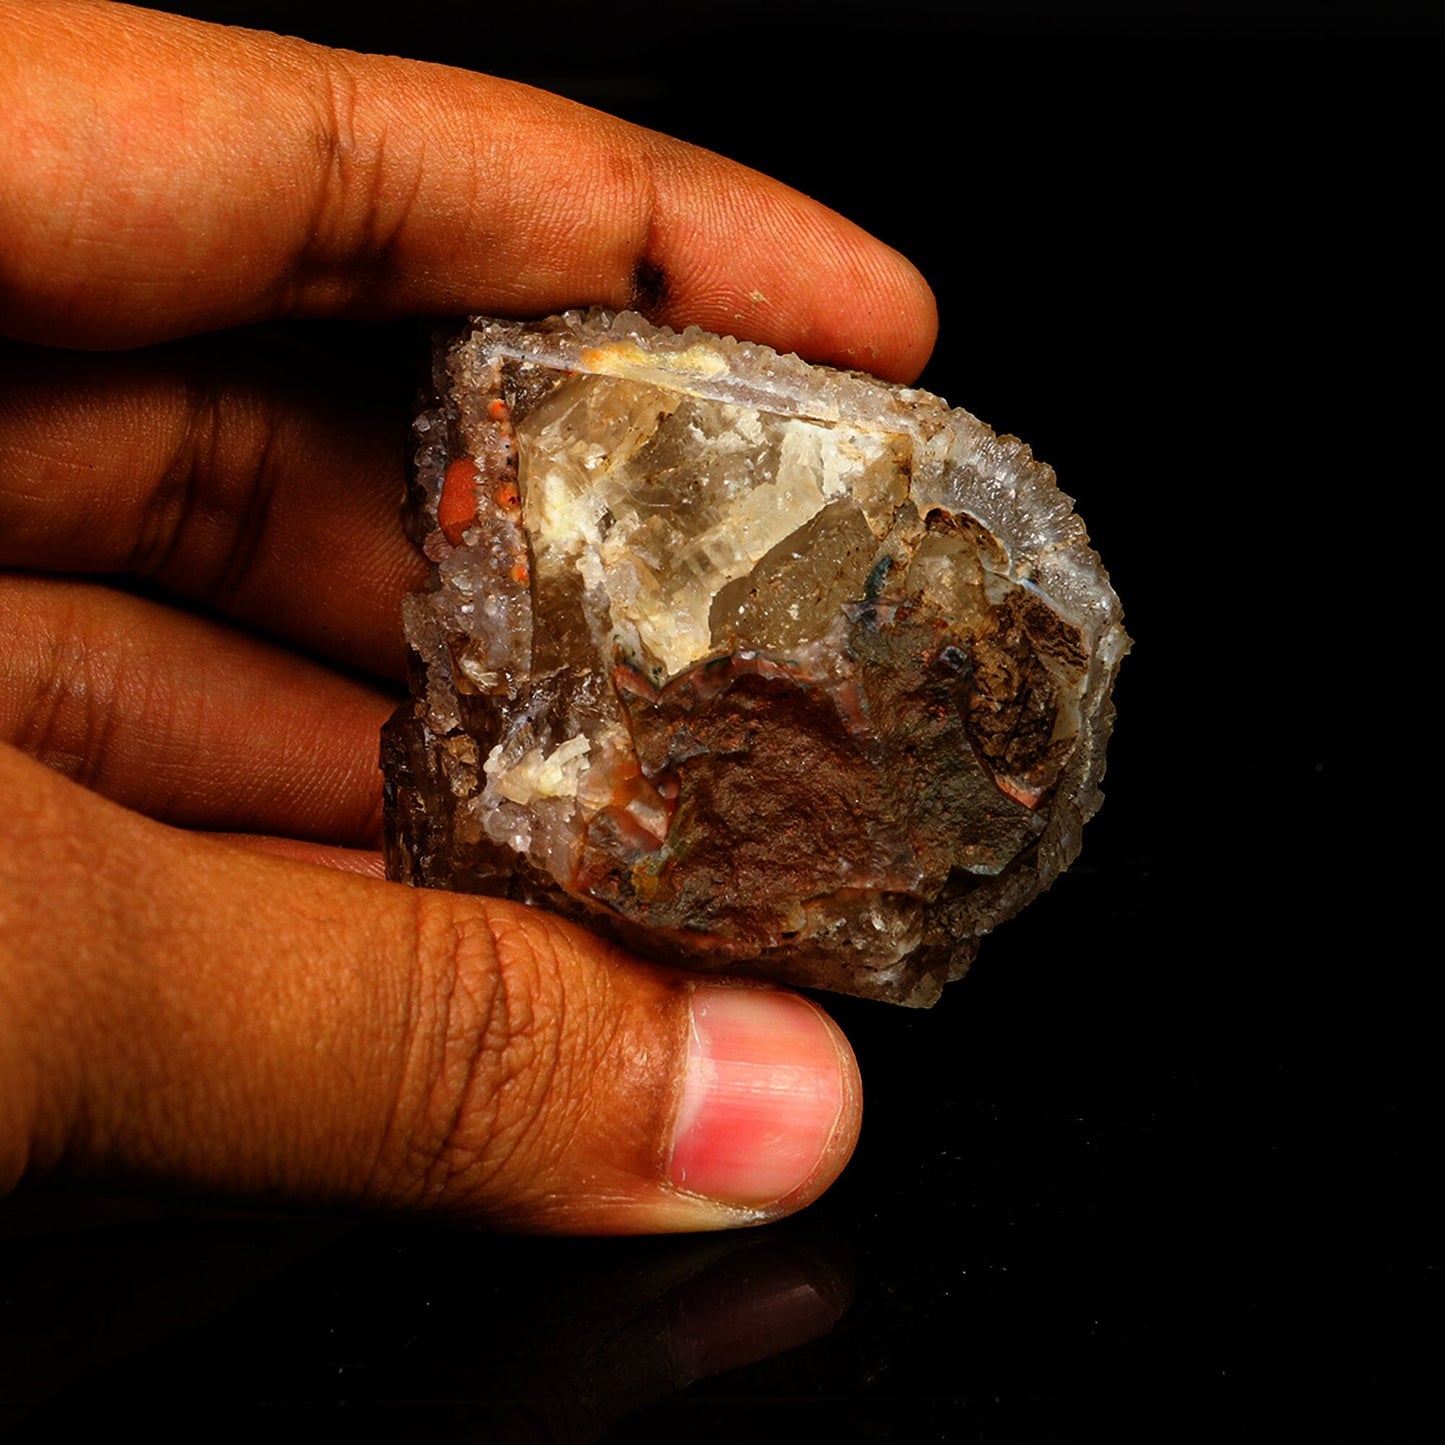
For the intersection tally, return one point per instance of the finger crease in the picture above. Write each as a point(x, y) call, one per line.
point(649, 284)
point(258, 494)
point(70, 719)
point(39, 720)
point(167, 517)
point(356, 227)
point(448, 1091)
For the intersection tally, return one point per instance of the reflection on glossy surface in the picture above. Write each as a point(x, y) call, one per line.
point(112, 1310)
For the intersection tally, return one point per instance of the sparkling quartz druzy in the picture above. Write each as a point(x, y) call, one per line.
point(753, 665)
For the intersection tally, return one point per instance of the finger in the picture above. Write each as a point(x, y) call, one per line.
point(187, 720)
point(239, 481)
point(175, 1012)
point(368, 862)
point(166, 177)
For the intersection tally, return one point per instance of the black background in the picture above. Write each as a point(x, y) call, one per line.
point(1160, 1165)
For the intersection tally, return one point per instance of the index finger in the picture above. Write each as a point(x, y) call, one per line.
point(162, 177)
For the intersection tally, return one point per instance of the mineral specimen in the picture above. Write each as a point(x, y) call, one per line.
point(752, 665)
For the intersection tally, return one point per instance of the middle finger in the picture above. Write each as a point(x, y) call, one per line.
point(244, 473)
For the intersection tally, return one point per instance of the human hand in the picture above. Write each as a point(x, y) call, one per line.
point(226, 1013)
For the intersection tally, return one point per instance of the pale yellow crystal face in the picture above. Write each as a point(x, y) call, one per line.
point(666, 501)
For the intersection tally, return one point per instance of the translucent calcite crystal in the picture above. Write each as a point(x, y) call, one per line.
point(755, 666)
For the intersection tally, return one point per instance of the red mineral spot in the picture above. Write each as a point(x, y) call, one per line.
point(457, 505)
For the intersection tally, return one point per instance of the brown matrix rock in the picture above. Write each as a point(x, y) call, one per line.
point(755, 666)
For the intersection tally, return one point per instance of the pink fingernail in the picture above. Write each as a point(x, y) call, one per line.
point(767, 1078)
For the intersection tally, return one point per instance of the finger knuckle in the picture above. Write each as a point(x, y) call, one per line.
point(206, 522)
point(65, 686)
point(362, 195)
point(486, 1057)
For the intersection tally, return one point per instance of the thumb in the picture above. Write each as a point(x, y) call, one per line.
point(182, 1012)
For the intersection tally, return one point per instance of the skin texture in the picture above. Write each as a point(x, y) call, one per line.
point(204, 985)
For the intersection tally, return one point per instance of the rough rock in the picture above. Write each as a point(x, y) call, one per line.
point(752, 665)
